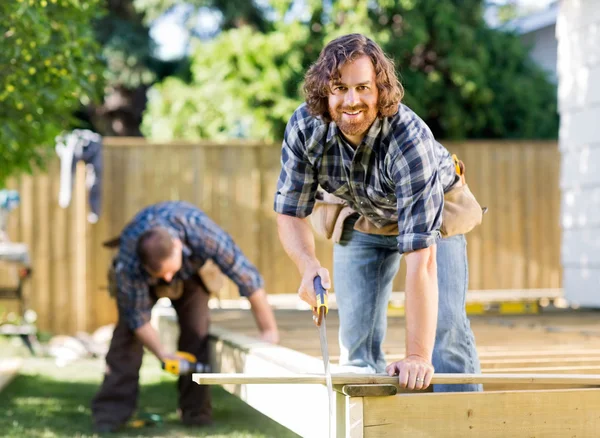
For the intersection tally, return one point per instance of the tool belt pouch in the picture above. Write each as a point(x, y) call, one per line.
point(212, 277)
point(461, 212)
point(172, 291)
point(328, 216)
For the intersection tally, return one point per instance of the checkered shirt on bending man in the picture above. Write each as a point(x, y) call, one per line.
point(398, 173)
point(202, 240)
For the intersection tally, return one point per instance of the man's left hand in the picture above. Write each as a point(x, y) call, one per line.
point(270, 336)
point(414, 372)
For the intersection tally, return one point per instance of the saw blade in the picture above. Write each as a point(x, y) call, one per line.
point(325, 354)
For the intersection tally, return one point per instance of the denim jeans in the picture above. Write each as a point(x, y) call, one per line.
point(364, 266)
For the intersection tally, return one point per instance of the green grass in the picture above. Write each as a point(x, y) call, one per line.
point(48, 401)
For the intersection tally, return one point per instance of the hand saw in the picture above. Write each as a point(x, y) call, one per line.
point(321, 310)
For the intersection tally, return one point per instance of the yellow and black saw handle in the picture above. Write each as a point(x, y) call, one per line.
point(322, 303)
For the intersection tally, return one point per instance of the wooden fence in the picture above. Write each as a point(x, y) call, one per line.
point(517, 247)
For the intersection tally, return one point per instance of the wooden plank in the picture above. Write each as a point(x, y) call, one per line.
point(59, 263)
point(380, 379)
point(79, 299)
point(27, 234)
point(556, 413)
point(530, 208)
point(533, 361)
point(349, 417)
point(515, 237)
point(41, 256)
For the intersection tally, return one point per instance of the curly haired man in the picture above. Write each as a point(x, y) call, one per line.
point(355, 139)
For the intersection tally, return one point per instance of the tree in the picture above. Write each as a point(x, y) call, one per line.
point(50, 65)
point(463, 78)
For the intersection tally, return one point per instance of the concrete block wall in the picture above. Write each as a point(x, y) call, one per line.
point(578, 68)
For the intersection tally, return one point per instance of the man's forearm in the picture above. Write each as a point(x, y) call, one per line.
point(298, 241)
point(421, 302)
point(148, 336)
point(261, 309)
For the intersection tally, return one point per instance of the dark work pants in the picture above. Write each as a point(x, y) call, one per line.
point(116, 400)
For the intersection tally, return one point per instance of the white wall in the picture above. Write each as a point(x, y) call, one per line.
point(578, 34)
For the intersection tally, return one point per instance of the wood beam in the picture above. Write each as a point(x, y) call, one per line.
point(557, 413)
point(349, 416)
point(379, 379)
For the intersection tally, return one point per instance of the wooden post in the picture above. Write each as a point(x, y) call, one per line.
point(349, 416)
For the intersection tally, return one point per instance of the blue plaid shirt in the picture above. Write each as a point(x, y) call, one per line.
point(202, 240)
point(399, 173)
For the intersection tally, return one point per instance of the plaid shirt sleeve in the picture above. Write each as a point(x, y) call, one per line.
point(420, 195)
point(133, 298)
point(212, 242)
point(297, 184)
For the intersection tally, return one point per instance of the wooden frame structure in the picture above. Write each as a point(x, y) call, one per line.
point(371, 406)
point(540, 375)
point(532, 405)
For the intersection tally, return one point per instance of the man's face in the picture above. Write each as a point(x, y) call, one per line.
point(170, 266)
point(353, 99)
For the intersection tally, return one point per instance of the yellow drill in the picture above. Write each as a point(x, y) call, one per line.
point(184, 364)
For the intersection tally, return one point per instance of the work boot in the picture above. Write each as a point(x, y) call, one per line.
point(106, 428)
point(196, 419)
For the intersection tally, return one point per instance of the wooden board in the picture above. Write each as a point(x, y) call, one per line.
point(558, 413)
point(554, 344)
point(262, 378)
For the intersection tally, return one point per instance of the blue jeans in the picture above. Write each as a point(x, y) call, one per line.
point(364, 266)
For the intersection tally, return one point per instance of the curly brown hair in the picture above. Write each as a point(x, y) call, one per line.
point(334, 55)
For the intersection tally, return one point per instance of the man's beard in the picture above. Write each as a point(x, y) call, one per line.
point(360, 126)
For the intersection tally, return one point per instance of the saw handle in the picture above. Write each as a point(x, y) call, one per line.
point(322, 302)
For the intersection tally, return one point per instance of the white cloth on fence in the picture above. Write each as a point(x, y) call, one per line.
point(85, 145)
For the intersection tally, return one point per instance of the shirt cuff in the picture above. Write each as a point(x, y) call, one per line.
point(247, 291)
point(136, 318)
point(414, 241)
point(291, 207)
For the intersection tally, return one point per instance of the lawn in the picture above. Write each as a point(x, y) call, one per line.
point(48, 401)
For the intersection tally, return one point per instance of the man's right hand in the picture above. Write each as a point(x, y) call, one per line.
point(306, 292)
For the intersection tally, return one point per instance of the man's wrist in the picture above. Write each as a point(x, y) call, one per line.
point(427, 358)
point(310, 263)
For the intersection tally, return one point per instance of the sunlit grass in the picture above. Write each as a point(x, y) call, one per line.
point(47, 401)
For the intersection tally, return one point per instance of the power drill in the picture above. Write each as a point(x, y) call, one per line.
point(184, 364)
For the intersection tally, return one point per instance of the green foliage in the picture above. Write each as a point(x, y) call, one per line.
point(463, 78)
point(235, 12)
point(244, 84)
point(127, 51)
point(50, 65)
